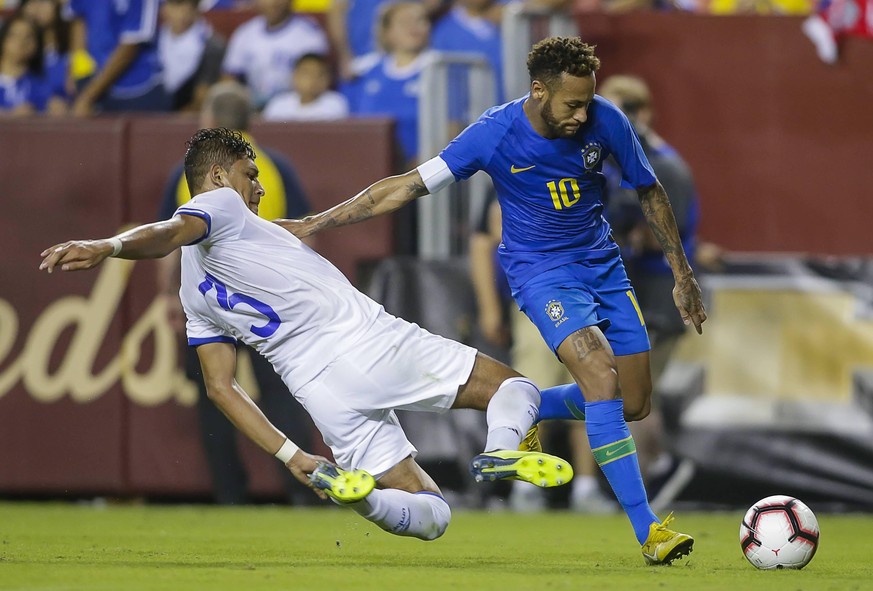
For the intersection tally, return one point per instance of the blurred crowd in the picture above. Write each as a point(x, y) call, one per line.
point(303, 60)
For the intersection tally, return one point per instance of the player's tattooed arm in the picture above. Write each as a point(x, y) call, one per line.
point(659, 217)
point(385, 196)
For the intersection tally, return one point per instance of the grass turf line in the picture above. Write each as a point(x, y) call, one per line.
point(65, 547)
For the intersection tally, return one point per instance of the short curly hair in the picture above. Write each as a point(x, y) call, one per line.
point(558, 55)
point(217, 145)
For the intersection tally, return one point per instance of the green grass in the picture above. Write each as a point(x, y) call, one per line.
point(62, 546)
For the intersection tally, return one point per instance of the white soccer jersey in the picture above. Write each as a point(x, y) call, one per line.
point(266, 57)
point(250, 280)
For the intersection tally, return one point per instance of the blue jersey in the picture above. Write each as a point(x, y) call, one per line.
point(457, 31)
point(56, 68)
point(109, 23)
point(28, 88)
point(550, 190)
point(361, 25)
point(385, 89)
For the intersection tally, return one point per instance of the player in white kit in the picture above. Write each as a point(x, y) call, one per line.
point(350, 363)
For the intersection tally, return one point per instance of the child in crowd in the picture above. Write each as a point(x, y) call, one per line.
point(311, 99)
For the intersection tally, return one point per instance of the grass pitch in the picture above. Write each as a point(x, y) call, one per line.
point(64, 546)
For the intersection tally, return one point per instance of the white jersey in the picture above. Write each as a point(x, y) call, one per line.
point(329, 106)
point(250, 280)
point(266, 56)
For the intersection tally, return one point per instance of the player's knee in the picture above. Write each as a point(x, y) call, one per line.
point(598, 378)
point(637, 410)
point(637, 400)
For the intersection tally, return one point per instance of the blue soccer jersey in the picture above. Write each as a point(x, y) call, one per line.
point(26, 89)
point(550, 190)
point(109, 24)
point(457, 31)
point(385, 89)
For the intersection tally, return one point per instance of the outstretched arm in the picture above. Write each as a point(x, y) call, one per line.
point(150, 241)
point(385, 196)
point(218, 361)
point(659, 216)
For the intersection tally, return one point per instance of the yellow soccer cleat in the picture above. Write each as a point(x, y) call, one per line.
point(663, 545)
point(535, 467)
point(531, 441)
point(344, 486)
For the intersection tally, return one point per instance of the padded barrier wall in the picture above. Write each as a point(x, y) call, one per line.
point(92, 399)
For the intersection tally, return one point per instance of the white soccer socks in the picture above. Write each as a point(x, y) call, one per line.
point(511, 412)
point(423, 515)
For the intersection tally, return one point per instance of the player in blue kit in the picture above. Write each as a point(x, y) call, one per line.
point(545, 152)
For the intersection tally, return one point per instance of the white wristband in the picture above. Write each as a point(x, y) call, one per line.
point(287, 451)
point(116, 246)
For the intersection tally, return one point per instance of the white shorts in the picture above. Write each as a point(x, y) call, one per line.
point(397, 365)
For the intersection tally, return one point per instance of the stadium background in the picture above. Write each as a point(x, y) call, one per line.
point(91, 400)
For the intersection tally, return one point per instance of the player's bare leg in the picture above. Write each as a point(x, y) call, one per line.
point(589, 357)
point(511, 404)
point(635, 378)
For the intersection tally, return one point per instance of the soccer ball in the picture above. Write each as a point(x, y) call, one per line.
point(779, 532)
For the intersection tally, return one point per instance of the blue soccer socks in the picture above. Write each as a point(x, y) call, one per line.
point(615, 453)
point(562, 402)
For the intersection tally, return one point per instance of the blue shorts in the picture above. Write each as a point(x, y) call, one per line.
point(593, 292)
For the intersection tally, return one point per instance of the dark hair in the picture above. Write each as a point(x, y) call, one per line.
point(60, 27)
point(34, 65)
point(217, 145)
point(314, 57)
point(558, 55)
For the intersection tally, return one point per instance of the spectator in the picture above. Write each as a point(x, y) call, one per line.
point(23, 88)
point(122, 40)
point(191, 54)
point(55, 33)
point(468, 27)
point(262, 51)
point(352, 25)
point(312, 99)
point(388, 83)
point(228, 105)
point(644, 259)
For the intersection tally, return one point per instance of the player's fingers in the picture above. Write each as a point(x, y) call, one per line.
point(686, 318)
point(77, 265)
point(48, 250)
point(51, 259)
point(699, 319)
point(71, 255)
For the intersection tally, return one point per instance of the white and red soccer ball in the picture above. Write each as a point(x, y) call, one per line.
point(779, 532)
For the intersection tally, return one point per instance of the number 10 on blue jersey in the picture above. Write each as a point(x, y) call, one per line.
point(561, 190)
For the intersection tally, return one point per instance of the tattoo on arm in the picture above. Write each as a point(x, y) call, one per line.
point(659, 216)
point(367, 204)
point(415, 190)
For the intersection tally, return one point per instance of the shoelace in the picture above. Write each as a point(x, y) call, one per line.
point(663, 525)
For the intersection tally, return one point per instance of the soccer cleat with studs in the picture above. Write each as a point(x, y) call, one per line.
point(663, 545)
point(538, 468)
point(344, 486)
